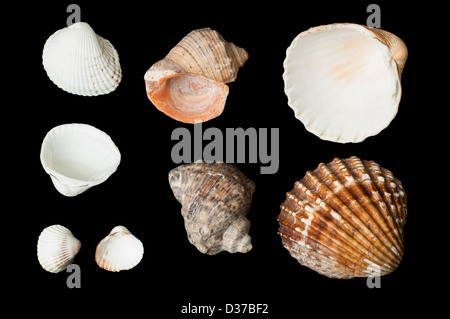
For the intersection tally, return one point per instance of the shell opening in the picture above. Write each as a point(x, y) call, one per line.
point(80, 152)
point(190, 98)
point(342, 82)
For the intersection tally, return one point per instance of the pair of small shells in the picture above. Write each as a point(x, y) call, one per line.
point(343, 80)
point(345, 219)
point(57, 248)
point(189, 84)
point(215, 199)
point(81, 62)
point(77, 157)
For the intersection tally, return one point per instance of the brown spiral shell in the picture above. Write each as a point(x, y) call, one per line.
point(345, 219)
point(215, 199)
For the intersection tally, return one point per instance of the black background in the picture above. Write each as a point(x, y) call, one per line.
point(173, 273)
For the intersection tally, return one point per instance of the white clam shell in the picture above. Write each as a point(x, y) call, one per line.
point(343, 80)
point(77, 157)
point(57, 248)
point(81, 62)
point(120, 250)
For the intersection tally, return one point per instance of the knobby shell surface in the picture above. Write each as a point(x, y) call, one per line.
point(189, 84)
point(120, 250)
point(343, 80)
point(77, 157)
point(81, 62)
point(345, 219)
point(215, 199)
point(56, 248)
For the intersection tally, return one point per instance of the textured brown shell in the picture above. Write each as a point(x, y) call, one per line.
point(345, 219)
point(189, 84)
point(215, 200)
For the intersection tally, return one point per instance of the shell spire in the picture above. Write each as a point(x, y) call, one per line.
point(189, 84)
point(345, 219)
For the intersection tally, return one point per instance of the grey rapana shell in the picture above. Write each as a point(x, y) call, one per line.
point(215, 199)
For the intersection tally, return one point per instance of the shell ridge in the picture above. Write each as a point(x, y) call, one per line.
point(395, 200)
point(381, 196)
point(365, 196)
point(77, 61)
point(325, 182)
point(306, 241)
point(324, 239)
point(343, 219)
point(357, 202)
point(56, 248)
point(317, 260)
point(384, 184)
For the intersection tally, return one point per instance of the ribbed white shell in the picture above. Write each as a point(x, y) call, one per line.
point(343, 80)
point(57, 248)
point(77, 157)
point(120, 250)
point(81, 62)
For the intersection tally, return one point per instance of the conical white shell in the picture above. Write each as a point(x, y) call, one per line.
point(120, 250)
point(343, 80)
point(57, 248)
point(81, 62)
point(77, 157)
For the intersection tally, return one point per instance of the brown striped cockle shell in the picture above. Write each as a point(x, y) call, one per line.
point(215, 199)
point(345, 219)
point(189, 84)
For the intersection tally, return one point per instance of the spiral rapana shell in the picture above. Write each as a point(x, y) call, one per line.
point(189, 84)
point(215, 199)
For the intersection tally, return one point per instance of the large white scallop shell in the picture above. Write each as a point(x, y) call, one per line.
point(81, 62)
point(57, 248)
point(77, 157)
point(343, 80)
point(120, 250)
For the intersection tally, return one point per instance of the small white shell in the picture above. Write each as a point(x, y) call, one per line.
point(81, 62)
point(57, 248)
point(120, 250)
point(77, 157)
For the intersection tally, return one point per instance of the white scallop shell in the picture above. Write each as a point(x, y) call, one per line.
point(343, 80)
point(120, 250)
point(81, 62)
point(77, 157)
point(57, 248)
